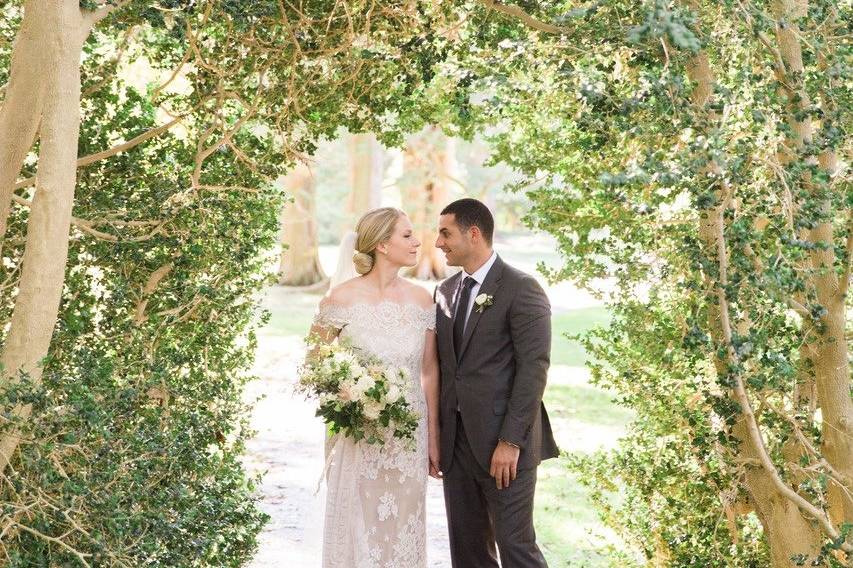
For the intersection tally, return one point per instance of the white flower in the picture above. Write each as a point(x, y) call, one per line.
point(365, 383)
point(598, 234)
point(342, 357)
point(483, 301)
point(372, 409)
point(392, 375)
point(357, 371)
point(394, 394)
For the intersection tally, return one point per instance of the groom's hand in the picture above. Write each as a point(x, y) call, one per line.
point(504, 464)
point(434, 460)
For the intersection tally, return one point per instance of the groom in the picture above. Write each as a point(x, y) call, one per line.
point(494, 340)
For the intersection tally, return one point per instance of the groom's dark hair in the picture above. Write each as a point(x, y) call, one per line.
point(469, 213)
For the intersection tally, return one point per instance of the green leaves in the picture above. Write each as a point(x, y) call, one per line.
point(661, 21)
point(629, 165)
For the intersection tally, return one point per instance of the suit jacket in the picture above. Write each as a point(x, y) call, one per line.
point(498, 377)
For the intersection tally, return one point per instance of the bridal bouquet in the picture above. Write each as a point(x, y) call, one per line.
point(358, 395)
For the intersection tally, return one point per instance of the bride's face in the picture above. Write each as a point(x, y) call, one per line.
point(402, 248)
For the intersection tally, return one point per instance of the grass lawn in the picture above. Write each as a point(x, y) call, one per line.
point(566, 351)
point(567, 527)
point(294, 318)
point(587, 404)
point(566, 524)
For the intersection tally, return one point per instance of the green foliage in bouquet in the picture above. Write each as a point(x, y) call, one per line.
point(357, 395)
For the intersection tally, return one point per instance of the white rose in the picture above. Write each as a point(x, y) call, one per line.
point(342, 357)
point(372, 409)
point(393, 376)
point(481, 298)
point(365, 383)
point(394, 393)
point(356, 371)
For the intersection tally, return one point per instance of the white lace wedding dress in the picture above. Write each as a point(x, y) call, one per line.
point(376, 495)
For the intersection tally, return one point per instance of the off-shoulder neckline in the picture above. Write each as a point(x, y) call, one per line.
point(378, 304)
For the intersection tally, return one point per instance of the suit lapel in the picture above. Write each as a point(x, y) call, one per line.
point(450, 298)
point(490, 286)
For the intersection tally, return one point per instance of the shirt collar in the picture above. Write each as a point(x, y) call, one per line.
point(480, 274)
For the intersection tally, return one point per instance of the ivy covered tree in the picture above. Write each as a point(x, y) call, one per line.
point(137, 219)
point(690, 152)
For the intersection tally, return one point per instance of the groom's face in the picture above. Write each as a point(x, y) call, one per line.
point(455, 243)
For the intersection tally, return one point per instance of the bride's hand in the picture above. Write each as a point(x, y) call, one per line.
point(434, 457)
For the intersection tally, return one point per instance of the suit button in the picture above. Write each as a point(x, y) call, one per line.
point(458, 378)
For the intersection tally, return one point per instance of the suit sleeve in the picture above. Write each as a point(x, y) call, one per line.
point(530, 329)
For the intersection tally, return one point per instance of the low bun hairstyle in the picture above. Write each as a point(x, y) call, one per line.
point(374, 227)
point(363, 262)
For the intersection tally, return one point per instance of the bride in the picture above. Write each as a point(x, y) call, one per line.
point(375, 506)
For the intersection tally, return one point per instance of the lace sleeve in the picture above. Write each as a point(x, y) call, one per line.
point(331, 316)
point(429, 318)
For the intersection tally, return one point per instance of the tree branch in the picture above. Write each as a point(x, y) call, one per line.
point(525, 18)
point(92, 158)
point(150, 286)
point(746, 406)
point(123, 44)
point(97, 15)
point(80, 556)
point(88, 226)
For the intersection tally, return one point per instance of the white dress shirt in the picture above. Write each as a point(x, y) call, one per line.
point(479, 277)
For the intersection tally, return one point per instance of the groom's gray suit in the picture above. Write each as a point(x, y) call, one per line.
point(492, 389)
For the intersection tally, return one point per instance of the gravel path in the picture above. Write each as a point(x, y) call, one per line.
point(288, 446)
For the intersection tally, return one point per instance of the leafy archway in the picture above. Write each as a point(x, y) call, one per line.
point(689, 151)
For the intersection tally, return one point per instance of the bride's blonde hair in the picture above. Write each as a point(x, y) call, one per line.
point(374, 227)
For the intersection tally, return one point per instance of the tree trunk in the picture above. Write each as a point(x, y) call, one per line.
point(366, 176)
point(826, 344)
point(428, 168)
point(46, 250)
point(300, 258)
point(789, 533)
point(21, 111)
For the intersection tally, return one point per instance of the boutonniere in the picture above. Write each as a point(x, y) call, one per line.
point(483, 301)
